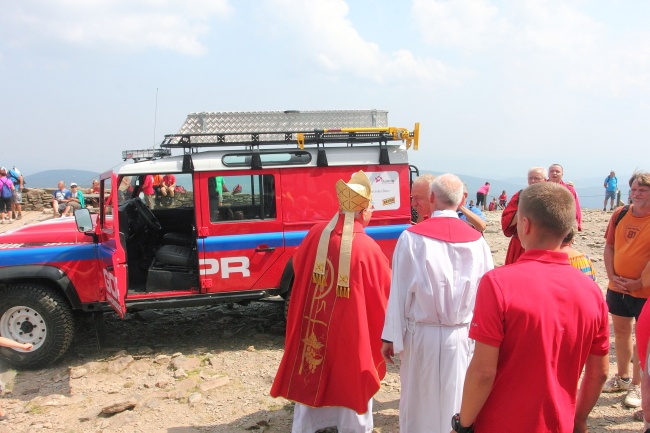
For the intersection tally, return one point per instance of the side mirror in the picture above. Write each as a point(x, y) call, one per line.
point(83, 220)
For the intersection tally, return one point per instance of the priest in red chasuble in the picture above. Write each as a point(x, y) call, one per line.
point(332, 363)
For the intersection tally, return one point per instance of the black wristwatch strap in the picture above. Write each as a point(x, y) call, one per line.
point(455, 425)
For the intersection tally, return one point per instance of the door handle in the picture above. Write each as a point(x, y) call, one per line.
point(264, 249)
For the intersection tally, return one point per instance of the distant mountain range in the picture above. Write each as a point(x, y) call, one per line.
point(50, 178)
point(590, 191)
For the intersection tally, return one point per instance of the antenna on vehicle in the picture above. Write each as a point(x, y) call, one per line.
point(155, 118)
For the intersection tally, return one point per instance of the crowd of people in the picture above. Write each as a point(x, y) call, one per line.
point(158, 190)
point(470, 337)
point(65, 201)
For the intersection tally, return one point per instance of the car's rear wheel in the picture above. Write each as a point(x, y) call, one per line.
point(33, 313)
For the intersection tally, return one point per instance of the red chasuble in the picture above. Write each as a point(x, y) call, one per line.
point(332, 351)
point(446, 229)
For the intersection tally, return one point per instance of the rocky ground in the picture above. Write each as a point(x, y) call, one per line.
point(209, 369)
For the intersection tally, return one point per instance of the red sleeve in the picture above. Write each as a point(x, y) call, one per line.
point(488, 321)
point(600, 344)
point(611, 227)
point(509, 214)
point(578, 209)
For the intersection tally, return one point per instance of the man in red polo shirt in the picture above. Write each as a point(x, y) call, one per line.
point(537, 323)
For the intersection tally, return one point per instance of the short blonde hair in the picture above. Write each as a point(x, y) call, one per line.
point(550, 206)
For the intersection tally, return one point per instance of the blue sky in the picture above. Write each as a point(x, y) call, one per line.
point(498, 86)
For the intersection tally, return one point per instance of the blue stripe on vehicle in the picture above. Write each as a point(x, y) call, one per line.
point(242, 242)
point(382, 233)
point(291, 239)
point(63, 253)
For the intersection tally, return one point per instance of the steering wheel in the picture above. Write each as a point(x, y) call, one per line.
point(147, 215)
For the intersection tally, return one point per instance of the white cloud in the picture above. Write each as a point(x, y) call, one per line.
point(323, 31)
point(586, 54)
point(465, 24)
point(547, 42)
point(123, 24)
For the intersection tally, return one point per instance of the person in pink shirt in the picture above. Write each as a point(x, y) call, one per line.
point(481, 196)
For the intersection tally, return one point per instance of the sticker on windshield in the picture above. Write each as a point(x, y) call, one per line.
point(385, 189)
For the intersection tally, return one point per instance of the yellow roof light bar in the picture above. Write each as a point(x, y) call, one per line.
point(410, 138)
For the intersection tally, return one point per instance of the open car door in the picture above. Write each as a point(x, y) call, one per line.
point(111, 252)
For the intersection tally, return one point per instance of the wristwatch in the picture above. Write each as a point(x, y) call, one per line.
point(455, 425)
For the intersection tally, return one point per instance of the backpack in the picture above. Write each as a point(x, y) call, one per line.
point(6, 190)
point(15, 177)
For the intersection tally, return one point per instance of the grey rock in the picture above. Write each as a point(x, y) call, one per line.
point(120, 364)
point(185, 363)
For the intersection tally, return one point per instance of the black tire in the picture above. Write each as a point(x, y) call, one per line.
point(33, 313)
point(287, 299)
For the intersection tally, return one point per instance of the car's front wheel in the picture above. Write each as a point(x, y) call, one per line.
point(33, 313)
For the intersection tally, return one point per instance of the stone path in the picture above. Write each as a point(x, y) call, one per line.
point(29, 217)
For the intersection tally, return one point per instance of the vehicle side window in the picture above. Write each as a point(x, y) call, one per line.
point(162, 191)
point(241, 197)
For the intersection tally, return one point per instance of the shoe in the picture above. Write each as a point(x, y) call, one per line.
point(604, 209)
point(638, 415)
point(633, 397)
point(11, 220)
point(20, 216)
point(617, 384)
point(611, 208)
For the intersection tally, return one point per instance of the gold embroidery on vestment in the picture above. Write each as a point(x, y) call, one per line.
point(313, 348)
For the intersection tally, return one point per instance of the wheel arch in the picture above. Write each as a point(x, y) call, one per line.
point(51, 276)
point(286, 281)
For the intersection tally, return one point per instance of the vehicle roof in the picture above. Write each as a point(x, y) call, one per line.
point(212, 160)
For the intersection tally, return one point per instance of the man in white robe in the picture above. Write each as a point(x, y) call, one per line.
point(437, 265)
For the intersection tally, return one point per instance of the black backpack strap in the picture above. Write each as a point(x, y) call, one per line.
point(621, 214)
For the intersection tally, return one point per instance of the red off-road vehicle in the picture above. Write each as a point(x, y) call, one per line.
point(242, 202)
